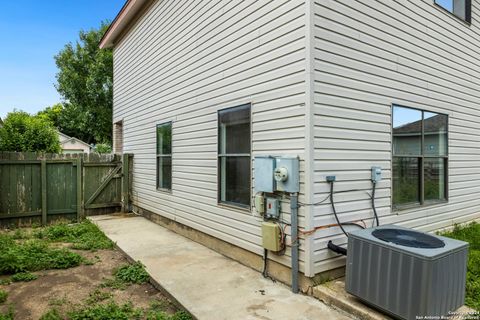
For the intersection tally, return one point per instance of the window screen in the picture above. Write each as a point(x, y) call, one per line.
point(234, 147)
point(420, 156)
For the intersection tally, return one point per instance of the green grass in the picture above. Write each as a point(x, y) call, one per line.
point(470, 234)
point(52, 314)
point(132, 273)
point(24, 276)
point(3, 296)
point(83, 236)
point(98, 296)
point(9, 315)
point(126, 275)
point(114, 311)
point(23, 250)
point(33, 255)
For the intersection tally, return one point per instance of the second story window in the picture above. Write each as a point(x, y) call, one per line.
point(164, 156)
point(460, 8)
point(420, 156)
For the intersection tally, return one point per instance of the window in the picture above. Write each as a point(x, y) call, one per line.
point(420, 156)
point(118, 137)
point(460, 8)
point(234, 156)
point(164, 156)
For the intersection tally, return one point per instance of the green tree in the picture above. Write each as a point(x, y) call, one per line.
point(103, 148)
point(22, 132)
point(67, 119)
point(53, 114)
point(85, 81)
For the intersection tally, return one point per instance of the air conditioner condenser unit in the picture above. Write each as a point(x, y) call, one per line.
point(405, 273)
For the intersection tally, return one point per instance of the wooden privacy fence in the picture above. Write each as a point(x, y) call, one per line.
point(40, 188)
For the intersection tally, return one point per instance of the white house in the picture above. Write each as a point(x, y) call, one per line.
point(72, 145)
point(203, 87)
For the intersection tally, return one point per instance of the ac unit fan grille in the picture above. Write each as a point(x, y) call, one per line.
point(408, 238)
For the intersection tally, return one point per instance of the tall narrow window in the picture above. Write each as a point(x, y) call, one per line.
point(460, 8)
point(234, 162)
point(164, 156)
point(118, 137)
point(420, 156)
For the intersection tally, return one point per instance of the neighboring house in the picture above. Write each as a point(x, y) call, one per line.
point(202, 87)
point(72, 145)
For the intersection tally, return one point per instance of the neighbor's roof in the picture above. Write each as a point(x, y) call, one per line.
point(67, 138)
point(123, 21)
point(436, 123)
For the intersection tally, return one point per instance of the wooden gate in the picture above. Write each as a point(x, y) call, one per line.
point(38, 188)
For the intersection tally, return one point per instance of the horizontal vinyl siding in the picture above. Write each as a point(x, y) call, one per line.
point(185, 60)
point(368, 56)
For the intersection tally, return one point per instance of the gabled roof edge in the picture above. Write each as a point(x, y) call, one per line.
point(122, 22)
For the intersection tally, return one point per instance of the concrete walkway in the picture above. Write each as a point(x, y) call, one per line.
point(207, 284)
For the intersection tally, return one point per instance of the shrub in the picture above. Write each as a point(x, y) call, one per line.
point(103, 148)
point(22, 132)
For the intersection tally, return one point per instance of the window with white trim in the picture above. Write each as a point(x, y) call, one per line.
point(420, 156)
point(164, 156)
point(234, 162)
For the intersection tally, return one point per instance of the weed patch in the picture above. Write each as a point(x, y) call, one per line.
point(3, 296)
point(33, 255)
point(98, 296)
point(470, 234)
point(9, 315)
point(24, 276)
point(114, 311)
point(52, 314)
point(132, 273)
point(83, 236)
point(127, 275)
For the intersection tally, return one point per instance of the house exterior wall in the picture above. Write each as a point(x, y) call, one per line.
point(367, 56)
point(73, 146)
point(183, 61)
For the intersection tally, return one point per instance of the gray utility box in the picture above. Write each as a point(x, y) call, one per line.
point(406, 273)
point(264, 174)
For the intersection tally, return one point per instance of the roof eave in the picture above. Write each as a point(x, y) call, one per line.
point(122, 22)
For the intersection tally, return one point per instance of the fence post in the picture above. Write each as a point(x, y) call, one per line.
point(43, 172)
point(79, 189)
point(125, 183)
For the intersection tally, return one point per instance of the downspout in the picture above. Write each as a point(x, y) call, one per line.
point(295, 240)
point(309, 135)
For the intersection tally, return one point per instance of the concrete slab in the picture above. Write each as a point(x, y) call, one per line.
point(207, 284)
point(333, 293)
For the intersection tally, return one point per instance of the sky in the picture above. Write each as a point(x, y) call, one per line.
point(32, 32)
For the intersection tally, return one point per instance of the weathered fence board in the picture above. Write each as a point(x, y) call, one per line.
point(39, 188)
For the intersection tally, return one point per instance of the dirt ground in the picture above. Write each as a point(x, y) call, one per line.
point(63, 289)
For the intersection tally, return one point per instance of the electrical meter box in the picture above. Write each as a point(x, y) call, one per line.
point(287, 174)
point(376, 174)
point(271, 236)
point(263, 174)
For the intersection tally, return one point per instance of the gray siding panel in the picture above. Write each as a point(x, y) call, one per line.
point(185, 60)
point(368, 56)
